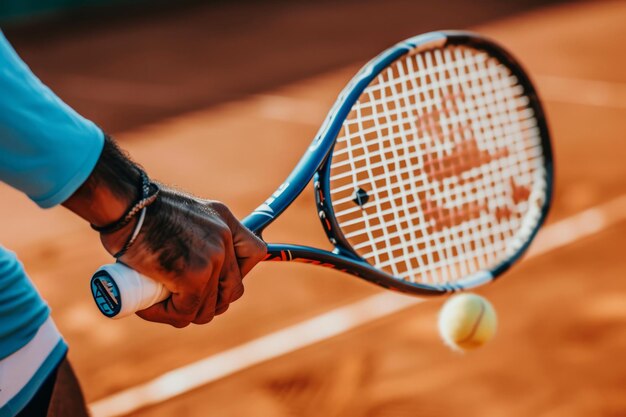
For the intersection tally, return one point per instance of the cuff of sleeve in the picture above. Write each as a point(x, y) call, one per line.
point(76, 180)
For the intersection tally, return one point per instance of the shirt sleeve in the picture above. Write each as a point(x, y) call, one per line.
point(47, 150)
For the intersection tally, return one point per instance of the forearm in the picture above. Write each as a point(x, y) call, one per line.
point(197, 248)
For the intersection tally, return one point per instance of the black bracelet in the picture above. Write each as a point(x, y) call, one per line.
point(147, 197)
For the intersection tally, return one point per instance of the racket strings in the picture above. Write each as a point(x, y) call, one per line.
point(447, 150)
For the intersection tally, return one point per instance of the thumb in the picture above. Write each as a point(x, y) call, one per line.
point(249, 248)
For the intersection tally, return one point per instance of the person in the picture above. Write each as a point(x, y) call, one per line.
point(195, 247)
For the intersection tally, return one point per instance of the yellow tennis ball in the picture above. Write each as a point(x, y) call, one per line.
point(467, 321)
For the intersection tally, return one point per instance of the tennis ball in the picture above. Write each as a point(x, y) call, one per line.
point(467, 321)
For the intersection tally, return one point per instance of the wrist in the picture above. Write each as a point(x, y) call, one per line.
point(102, 207)
point(136, 214)
point(114, 242)
point(110, 190)
point(148, 193)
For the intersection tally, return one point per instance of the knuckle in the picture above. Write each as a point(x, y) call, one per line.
point(221, 208)
point(218, 205)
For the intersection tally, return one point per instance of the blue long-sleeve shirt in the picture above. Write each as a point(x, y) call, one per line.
point(47, 151)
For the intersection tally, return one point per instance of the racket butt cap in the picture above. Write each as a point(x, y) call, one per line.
point(120, 291)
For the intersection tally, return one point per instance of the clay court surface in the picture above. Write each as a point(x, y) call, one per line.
point(561, 339)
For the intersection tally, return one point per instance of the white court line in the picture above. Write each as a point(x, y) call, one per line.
point(330, 324)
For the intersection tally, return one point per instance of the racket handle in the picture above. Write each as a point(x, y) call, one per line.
point(120, 291)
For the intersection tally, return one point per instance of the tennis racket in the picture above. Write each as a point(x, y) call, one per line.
point(432, 173)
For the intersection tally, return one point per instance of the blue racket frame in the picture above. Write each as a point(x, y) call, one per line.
point(315, 165)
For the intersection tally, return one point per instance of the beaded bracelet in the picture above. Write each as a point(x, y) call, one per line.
point(133, 235)
point(145, 200)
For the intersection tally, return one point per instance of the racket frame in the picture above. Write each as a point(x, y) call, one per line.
point(316, 162)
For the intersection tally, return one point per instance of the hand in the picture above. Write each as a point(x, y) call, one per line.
point(197, 249)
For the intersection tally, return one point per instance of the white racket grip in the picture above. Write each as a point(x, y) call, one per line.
point(120, 291)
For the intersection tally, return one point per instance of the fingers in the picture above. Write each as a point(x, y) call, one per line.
point(201, 252)
point(161, 313)
point(249, 248)
point(194, 302)
point(229, 288)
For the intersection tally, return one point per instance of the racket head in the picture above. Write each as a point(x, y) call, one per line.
point(441, 170)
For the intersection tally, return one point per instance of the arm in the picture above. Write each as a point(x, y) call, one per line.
point(195, 247)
